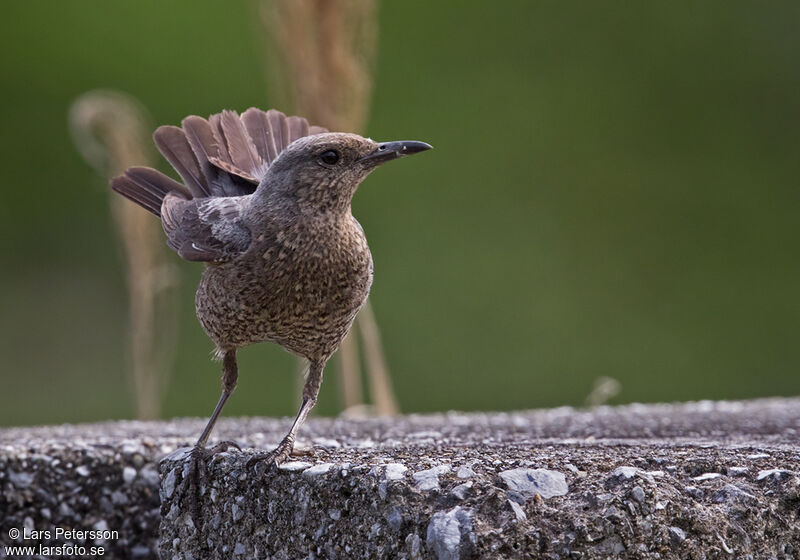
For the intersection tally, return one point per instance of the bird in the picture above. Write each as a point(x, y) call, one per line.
point(265, 203)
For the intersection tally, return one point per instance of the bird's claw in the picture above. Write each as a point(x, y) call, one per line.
point(222, 447)
point(274, 457)
point(302, 451)
point(196, 472)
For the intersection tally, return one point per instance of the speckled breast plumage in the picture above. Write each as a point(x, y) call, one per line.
point(298, 286)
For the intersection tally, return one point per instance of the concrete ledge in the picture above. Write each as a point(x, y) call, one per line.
point(698, 480)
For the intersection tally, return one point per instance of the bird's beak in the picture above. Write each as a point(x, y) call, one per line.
point(392, 150)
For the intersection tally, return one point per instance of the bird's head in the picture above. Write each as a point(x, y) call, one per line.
point(322, 172)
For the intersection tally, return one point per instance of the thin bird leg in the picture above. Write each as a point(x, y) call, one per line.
point(196, 472)
point(310, 393)
point(230, 374)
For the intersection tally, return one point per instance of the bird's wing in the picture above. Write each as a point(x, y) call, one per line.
point(207, 229)
point(228, 154)
point(270, 133)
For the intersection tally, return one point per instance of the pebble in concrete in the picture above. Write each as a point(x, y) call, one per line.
point(637, 493)
point(773, 474)
point(294, 466)
point(461, 491)
point(527, 483)
point(624, 473)
point(465, 471)
point(450, 534)
point(168, 485)
point(519, 513)
point(395, 471)
point(317, 470)
point(20, 479)
point(128, 474)
point(707, 476)
point(730, 492)
point(413, 546)
point(429, 478)
point(677, 535)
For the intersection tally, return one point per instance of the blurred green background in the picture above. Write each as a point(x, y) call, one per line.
point(614, 192)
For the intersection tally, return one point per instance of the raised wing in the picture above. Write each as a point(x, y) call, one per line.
point(206, 229)
point(219, 160)
point(228, 154)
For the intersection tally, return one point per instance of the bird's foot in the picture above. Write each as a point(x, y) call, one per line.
point(196, 474)
point(302, 450)
point(221, 447)
point(274, 457)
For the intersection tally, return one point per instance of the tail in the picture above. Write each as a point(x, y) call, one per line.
point(226, 155)
point(147, 187)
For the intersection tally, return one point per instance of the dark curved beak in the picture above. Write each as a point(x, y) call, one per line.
point(392, 150)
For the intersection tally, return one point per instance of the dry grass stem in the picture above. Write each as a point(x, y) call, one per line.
point(327, 55)
point(380, 380)
point(603, 390)
point(112, 132)
point(352, 395)
point(324, 54)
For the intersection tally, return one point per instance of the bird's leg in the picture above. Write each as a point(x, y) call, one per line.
point(310, 393)
point(200, 454)
point(230, 375)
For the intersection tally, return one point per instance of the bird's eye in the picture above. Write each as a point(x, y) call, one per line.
point(330, 157)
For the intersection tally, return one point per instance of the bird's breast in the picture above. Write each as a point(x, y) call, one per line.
point(320, 268)
point(299, 288)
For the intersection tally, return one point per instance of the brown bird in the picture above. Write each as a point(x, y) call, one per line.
point(265, 203)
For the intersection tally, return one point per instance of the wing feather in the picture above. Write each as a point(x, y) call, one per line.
point(240, 146)
point(147, 187)
point(255, 121)
point(298, 127)
point(209, 229)
point(225, 156)
point(173, 145)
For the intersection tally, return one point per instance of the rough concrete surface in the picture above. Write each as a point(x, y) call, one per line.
point(696, 480)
